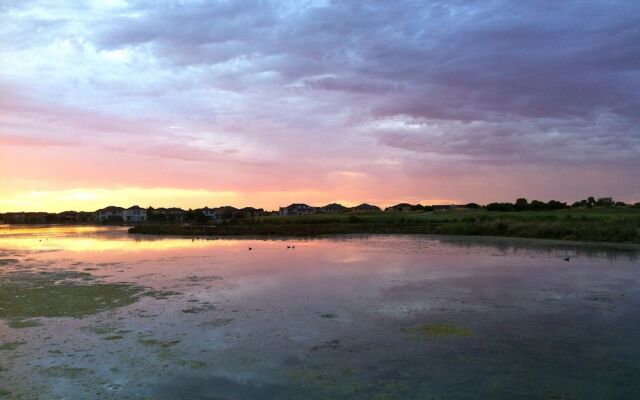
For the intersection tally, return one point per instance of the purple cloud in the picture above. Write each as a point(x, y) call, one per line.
point(346, 84)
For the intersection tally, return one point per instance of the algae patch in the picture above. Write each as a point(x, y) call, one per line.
point(161, 294)
point(155, 342)
point(113, 337)
point(437, 330)
point(10, 345)
point(60, 294)
point(217, 322)
point(64, 371)
point(23, 323)
point(329, 315)
point(202, 307)
point(193, 364)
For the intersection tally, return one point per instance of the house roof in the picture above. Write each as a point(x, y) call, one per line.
point(136, 207)
point(298, 205)
point(334, 205)
point(402, 205)
point(226, 208)
point(168, 210)
point(365, 206)
point(111, 208)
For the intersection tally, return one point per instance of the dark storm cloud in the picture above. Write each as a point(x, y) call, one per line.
point(490, 81)
point(482, 61)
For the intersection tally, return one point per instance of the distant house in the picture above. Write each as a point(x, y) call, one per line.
point(442, 207)
point(333, 208)
point(212, 214)
point(86, 216)
point(110, 214)
point(134, 214)
point(227, 212)
point(364, 207)
point(28, 217)
point(297, 209)
point(168, 214)
point(68, 217)
point(250, 212)
point(14, 217)
point(402, 207)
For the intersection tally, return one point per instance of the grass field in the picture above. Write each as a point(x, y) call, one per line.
point(618, 225)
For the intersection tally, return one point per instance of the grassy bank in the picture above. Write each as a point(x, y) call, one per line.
point(619, 225)
point(593, 225)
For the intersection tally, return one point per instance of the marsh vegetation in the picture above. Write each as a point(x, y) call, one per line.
point(615, 225)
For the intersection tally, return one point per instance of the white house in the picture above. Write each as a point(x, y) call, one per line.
point(212, 214)
point(110, 213)
point(134, 214)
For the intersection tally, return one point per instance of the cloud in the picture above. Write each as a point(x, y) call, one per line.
point(302, 89)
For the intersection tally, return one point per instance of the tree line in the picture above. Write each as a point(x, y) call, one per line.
point(523, 204)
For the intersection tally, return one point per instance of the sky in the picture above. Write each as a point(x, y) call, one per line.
point(264, 103)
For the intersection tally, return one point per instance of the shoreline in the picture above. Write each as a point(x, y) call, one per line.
point(479, 239)
point(521, 231)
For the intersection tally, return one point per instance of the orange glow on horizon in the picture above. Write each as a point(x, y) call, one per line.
point(93, 199)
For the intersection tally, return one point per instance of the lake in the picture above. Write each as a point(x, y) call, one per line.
point(96, 313)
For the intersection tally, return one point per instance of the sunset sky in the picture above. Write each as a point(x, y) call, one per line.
point(264, 103)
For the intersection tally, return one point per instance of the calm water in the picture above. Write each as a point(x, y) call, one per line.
point(329, 319)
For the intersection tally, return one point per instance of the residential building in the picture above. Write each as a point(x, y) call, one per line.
point(251, 212)
point(364, 207)
point(110, 214)
point(441, 207)
point(402, 207)
point(333, 208)
point(67, 217)
point(167, 214)
point(134, 214)
point(297, 209)
point(211, 214)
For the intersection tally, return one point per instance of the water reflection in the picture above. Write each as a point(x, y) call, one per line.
point(348, 317)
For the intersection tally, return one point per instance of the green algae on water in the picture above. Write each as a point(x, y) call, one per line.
point(437, 330)
point(326, 383)
point(60, 294)
point(11, 345)
point(101, 329)
point(113, 337)
point(64, 371)
point(155, 342)
point(217, 322)
point(161, 294)
point(193, 364)
point(23, 323)
point(328, 315)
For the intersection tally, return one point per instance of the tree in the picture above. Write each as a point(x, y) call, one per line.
point(604, 202)
point(500, 207)
point(556, 205)
point(522, 204)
